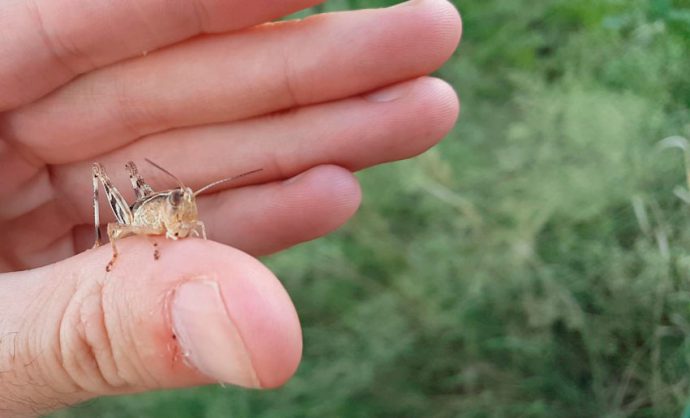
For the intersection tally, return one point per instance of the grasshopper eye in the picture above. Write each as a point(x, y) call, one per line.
point(175, 198)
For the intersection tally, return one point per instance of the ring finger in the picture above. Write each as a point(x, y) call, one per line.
point(395, 123)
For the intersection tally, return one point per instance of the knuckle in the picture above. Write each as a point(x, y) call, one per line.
point(85, 346)
point(65, 51)
point(137, 114)
point(203, 15)
point(290, 81)
point(93, 341)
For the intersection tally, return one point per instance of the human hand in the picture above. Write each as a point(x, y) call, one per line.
point(193, 86)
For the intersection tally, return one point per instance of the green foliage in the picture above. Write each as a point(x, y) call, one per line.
point(535, 264)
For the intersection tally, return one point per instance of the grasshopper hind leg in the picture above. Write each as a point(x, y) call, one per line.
point(97, 172)
point(117, 203)
point(141, 188)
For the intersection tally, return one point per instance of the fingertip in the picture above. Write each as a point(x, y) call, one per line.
point(445, 18)
point(438, 29)
point(442, 102)
point(267, 322)
point(423, 117)
point(328, 183)
point(285, 213)
point(259, 308)
point(317, 202)
point(452, 19)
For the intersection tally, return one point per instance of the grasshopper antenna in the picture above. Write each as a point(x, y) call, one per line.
point(215, 183)
point(166, 172)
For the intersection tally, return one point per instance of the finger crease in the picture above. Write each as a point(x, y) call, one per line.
point(202, 15)
point(130, 115)
point(52, 43)
point(288, 80)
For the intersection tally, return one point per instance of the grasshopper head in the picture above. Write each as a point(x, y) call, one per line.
point(182, 214)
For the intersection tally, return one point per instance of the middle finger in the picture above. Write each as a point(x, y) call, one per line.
point(237, 76)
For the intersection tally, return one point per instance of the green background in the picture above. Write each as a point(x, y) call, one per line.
point(535, 264)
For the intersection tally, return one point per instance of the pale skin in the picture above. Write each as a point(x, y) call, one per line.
point(207, 93)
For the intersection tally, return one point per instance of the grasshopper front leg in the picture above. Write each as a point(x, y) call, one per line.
point(97, 173)
point(117, 231)
point(200, 225)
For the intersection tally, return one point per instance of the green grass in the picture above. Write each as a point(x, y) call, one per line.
point(535, 264)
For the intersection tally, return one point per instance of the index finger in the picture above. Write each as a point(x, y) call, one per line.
point(46, 43)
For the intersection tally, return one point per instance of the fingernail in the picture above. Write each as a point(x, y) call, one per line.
point(388, 94)
point(208, 339)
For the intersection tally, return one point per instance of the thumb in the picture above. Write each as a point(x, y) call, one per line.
point(202, 313)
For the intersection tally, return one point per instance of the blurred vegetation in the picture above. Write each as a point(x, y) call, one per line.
point(535, 264)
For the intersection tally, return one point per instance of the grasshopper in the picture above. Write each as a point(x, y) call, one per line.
point(172, 213)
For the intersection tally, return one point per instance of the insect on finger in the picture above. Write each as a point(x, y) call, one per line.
point(172, 213)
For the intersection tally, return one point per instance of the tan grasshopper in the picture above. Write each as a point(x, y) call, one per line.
point(172, 213)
